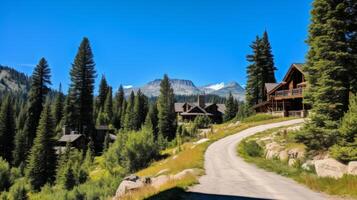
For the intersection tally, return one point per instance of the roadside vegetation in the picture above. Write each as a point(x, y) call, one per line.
point(191, 156)
point(253, 152)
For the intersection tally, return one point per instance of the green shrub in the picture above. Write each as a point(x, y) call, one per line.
point(202, 121)
point(140, 149)
point(344, 153)
point(18, 191)
point(5, 175)
point(252, 148)
point(258, 117)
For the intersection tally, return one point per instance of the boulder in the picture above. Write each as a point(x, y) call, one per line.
point(185, 172)
point(160, 180)
point(297, 153)
point(129, 184)
point(308, 165)
point(164, 171)
point(272, 150)
point(352, 168)
point(292, 162)
point(330, 168)
point(283, 155)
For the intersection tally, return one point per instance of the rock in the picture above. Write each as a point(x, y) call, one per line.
point(308, 165)
point(294, 128)
point(283, 155)
point(272, 150)
point(203, 140)
point(297, 153)
point(130, 183)
point(266, 140)
point(292, 162)
point(330, 168)
point(131, 177)
point(321, 156)
point(185, 172)
point(352, 168)
point(162, 171)
point(160, 180)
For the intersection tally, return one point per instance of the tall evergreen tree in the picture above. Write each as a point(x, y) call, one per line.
point(129, 119)
point(103, 90)
point(108, 104)
point(261, 69)
point(69, 116)
point(118, 104)
point(231, 108)
point(58, 106)
point(40, 80)
point(268, 64)
point(254, 80)
point(166, 110)
point(7, 129)
point(329, 67)
point(42, 159)
point(82, 85)
point(140, 109)
point(151, 119)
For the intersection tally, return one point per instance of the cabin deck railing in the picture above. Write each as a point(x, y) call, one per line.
point(287, 93)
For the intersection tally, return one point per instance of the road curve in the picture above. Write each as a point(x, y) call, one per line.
point(230, 177)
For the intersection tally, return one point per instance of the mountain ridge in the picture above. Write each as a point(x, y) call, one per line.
point(187, 87)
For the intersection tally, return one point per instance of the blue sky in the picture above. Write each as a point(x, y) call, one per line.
point(135, 41)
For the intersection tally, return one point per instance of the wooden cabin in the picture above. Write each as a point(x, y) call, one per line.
point(285, 98)
point(189, 111)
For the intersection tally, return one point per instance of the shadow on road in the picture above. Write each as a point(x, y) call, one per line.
point(180, 194)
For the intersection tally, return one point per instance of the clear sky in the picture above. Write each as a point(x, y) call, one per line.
point(135, 41)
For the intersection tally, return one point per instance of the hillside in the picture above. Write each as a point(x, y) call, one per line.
point(13, 80)
point(187, 87)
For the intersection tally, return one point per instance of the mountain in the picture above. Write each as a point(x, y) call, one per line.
point(13, 80)
point(223, 90)
point(187, 87)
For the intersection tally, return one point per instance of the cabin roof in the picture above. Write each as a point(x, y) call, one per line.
point(179, 106)
point(297, 66)
point(270, 86)
point(70, 138)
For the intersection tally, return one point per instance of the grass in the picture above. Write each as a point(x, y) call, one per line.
point(191, 156)
point(345, 186)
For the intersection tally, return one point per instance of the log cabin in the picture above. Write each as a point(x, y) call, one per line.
point(285, 98)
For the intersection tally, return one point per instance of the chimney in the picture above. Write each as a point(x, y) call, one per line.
point(201, 101)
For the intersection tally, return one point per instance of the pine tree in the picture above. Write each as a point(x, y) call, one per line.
point(58, 106)
point(346, 149)
point(40, 80)
point(20, 151)
point(7, 129)
point(268, 65)
point(42, 158)
point(231, 110)
point(69, 115)
point(261, 70)
point(166, 110)
point(103, 90)
point(254, 74)
point(151, 119)
point(118, 104)
point(108, 105)
point(328, 70)
point(82, 85)
point(69, 179)
point(140, 109)
point(129, 123)
point(106, 142)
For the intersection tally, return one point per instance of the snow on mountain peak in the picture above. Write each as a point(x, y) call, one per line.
point(217, 86)
point(128, 86)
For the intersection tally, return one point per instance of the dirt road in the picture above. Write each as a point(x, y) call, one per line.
point(230, 177)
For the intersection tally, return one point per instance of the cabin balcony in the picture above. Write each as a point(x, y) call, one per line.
point(288, 94)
